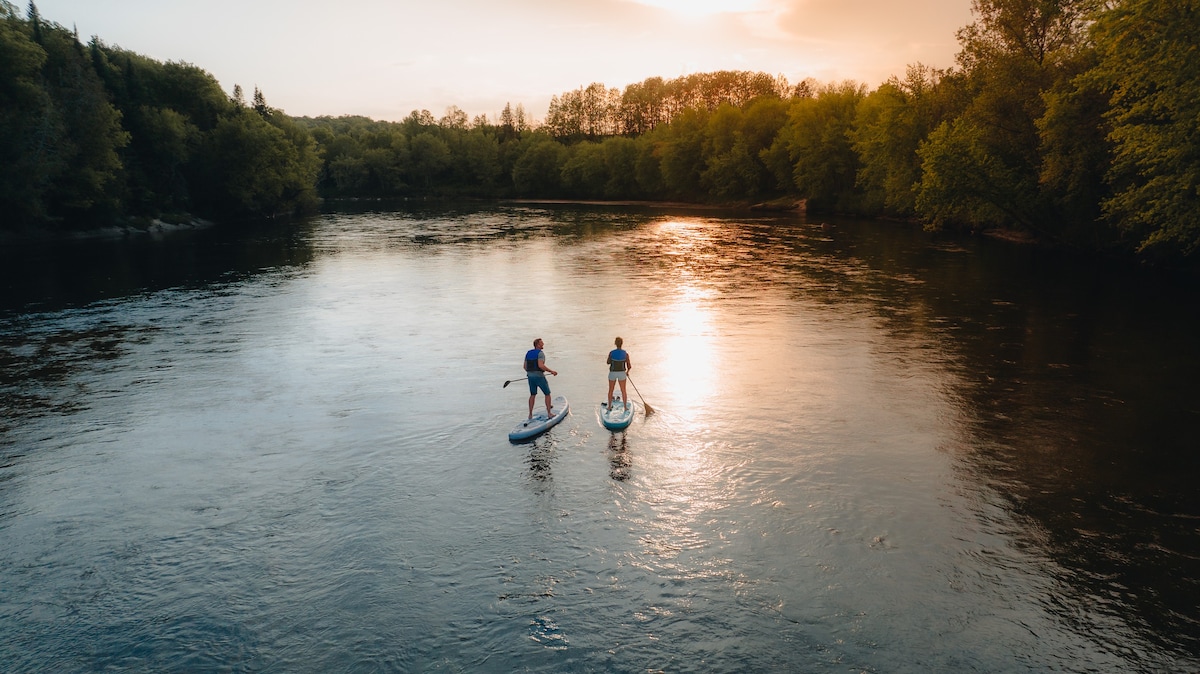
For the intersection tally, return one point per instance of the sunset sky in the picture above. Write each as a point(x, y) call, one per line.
point(386, 58)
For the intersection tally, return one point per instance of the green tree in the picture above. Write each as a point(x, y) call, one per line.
point(963, 181)
point(383, 171)
point(1013, 53)
point(642, 106)
point(584, 174)
point(890, 125)
point(679, 147)
point(735, 140)
point(508, 123)
point(1150, 64)
point(349, 175)
point(90, 134)
point(429, 158)
point(164, 143)
point(1076, 155)
point(816, 142)
point(620, 162)
point(256, 167)
point(729, 170)
point(590, 112)
point(92, 131)
point(167, 109)
point(476, 161)
point(417, 122)
point(29, 128)
point(260, 104)
point(192, 92)
point(455, 118)
point(538, 170)
point(648, 168)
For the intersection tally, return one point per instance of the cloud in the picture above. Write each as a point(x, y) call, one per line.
point(703, 7)
point(385, 58)
point(881, 22)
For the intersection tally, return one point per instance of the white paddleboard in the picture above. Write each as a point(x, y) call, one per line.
point(618, 416)
point(540, 423)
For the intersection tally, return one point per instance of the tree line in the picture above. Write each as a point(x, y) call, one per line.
point(90, 134)
point(594, 111)
point(1072, 120)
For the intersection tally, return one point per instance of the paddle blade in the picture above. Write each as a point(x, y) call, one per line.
point(649, 409)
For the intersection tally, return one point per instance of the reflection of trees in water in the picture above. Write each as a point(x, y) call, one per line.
point(1075, 381)
point(619, 459)
point(433, 226)
point(77, 273)
point(1090, 441)
point(1077, 386)
point(1103, 493)
point(42, 353)
point(36, 368)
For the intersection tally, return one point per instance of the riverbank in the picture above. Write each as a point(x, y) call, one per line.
point(777, 205)
point(154, 228)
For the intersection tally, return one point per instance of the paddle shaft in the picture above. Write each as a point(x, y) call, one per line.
point(649, 409)
point(512, 380)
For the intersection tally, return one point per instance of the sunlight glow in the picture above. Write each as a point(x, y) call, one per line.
point(690, 333)
point(689, 353)
point(699, 8)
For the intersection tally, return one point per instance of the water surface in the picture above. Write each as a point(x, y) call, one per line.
point(284, 449)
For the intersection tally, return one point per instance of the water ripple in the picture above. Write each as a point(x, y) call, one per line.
point(872, 450)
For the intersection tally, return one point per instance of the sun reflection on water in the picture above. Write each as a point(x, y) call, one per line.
point(688, 337)
point(687, 352)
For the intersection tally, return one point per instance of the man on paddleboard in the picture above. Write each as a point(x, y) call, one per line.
point(535, 370)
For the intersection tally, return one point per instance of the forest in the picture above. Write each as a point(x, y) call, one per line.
point(1072, 122)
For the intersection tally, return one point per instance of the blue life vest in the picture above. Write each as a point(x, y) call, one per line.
point(616, 360)
point(531, 361)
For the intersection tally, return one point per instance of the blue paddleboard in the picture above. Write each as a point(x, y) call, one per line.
point(540, 423)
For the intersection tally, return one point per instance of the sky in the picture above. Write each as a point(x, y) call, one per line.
point(386, 58)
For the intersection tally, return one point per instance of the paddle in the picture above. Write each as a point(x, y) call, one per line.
point(512, 380)
point(649, 409)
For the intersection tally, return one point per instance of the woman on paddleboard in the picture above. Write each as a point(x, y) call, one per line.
point(618, 365)
point(535, 371)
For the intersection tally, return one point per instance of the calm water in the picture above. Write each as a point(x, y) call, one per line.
point(874, 450)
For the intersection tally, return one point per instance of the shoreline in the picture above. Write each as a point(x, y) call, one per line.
point(779, 205)
point(155, 228)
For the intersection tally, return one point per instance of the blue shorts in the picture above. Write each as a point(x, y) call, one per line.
point(538, 382)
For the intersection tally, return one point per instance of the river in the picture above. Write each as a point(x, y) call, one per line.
point(283, 448)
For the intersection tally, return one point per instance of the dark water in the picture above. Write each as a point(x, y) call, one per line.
point(283, 449)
